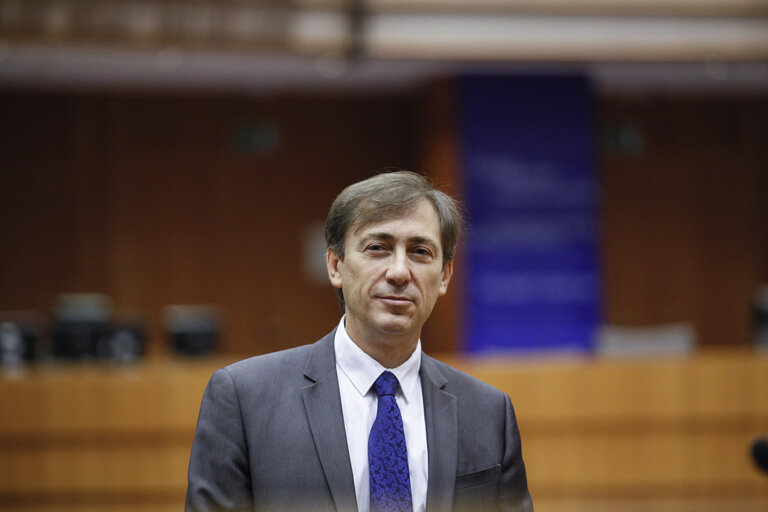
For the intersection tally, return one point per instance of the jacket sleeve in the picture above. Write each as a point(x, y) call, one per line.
point(219, 477)
point(513, 492)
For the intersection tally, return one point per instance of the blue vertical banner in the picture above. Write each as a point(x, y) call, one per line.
point(532, 276)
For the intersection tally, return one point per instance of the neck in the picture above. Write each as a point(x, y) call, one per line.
point(387, 350)
point(389, 358)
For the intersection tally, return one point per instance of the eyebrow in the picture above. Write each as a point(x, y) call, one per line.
point(388, 237)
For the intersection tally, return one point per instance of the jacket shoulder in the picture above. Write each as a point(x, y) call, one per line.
point(285, 365)
point(268, 363)
point(461, 383)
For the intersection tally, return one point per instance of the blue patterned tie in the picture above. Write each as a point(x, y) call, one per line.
point(387, 456)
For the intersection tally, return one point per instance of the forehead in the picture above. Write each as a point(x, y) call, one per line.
point(421, 220)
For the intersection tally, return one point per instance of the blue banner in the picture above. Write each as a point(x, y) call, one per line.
point(532, 279)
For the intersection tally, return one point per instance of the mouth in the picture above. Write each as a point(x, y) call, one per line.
point(395, 300)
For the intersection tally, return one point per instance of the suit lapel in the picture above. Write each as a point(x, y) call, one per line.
point(442, 436)
point(322, 403)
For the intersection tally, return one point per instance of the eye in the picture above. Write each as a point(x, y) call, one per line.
point(376, 248)
point(422, 252)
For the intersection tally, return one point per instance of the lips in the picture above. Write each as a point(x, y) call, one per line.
point(395, 300)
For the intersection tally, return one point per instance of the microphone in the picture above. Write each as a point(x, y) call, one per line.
point(760, 453)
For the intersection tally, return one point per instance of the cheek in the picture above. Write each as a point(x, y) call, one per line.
point(359, 283)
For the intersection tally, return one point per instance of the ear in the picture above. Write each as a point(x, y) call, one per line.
point(446, 277)
point(334, 264)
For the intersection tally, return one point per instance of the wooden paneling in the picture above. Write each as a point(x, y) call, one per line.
point(156, 200)
point(655, 434)
point(151, 200)
point(439, 157)
point(685, 224)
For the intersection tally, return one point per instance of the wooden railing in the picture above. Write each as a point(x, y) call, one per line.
point(662, 434)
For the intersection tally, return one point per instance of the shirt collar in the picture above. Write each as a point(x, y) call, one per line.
point(362, 370)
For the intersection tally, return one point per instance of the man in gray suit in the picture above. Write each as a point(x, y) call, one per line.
point(317, 428)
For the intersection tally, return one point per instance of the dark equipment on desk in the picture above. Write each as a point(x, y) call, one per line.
point(760, 453)
point(80, 324)
point(192, 330)
point(123, 344)
point(84, 328)
point(19, 339)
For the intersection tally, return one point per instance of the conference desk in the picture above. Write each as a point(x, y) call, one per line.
point(599, 434)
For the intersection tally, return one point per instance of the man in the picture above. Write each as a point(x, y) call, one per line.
point(362, 419)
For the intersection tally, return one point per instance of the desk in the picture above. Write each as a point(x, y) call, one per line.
point(664, 434)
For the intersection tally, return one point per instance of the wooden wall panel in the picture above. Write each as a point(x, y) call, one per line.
point(439, 158)
point(151, 200)
point(685, 224)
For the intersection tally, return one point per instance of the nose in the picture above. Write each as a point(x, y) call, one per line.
point(398, 272)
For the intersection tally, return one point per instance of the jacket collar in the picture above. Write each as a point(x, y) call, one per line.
point(440, 414)
point(322, 404)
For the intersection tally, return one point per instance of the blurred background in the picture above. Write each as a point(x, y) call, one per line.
point(165, 172)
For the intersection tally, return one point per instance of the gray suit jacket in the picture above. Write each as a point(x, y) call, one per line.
point(270, 436)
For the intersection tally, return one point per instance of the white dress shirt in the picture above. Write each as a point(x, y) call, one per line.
point(357, 371)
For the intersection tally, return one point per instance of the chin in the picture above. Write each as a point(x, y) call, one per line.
point(395, 326)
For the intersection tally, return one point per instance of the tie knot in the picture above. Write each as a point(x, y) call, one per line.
point(386, 384)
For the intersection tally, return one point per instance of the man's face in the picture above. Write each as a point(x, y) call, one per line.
point(391, 275)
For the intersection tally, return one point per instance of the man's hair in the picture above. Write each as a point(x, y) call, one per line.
point(387, 196)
